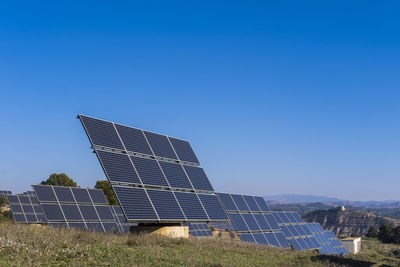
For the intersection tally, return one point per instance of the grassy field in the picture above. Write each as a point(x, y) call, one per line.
point(32, 245)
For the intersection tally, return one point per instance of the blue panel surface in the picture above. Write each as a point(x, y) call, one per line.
point(95, 226)
point(240, 203)
point(19, 218)
point(213, 207)
point(227, 202)
point(270, 218)
point(97, 196)
point(77, 225)
point(64, 194)
point(191, 206)
point(251, 203)
point(24, 200)
point(238, 222)
point(251, 222)
point(88, 213)
point(175, 174)
point(262, 222)
point(262, 204)
point(81, 195)
point(247, 238)
point(260, 238)
point(13, 199)
point(133, 139)
point(184, 150)
point(198, 178)
point(110, 227)
point(101, 133)
point(104, 213)
point(149, 171)
point(135, 203)
point(27, 208)
point(16, 208)
point(165, 204)
point(282, 239)
point(160, 145)
point(271, 239)
point(117, 167)
point(71, 212)
point(52, 212)
point(45, 193)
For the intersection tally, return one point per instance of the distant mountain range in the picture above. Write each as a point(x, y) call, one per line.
point(294, 198)
point(307, 203)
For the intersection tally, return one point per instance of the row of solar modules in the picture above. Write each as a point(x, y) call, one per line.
point(296, 230)
point(26, 209)
point(4, 193)
point(116, 136)
point(275, 239)
point(287, 217)
point(304, 243)
point(228, 226)
point(242, 203)
point(143, 204)
point(253, 222)
point(198, 229)
point(123, 168)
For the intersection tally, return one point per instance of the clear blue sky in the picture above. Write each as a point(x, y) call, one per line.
point(276, 97)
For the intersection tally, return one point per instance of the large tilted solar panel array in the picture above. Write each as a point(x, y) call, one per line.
point(253, 220)
point(26, 209)
point(198, 229)
point(329, 243)
point(156, 178)
point(74, 207)
point(296, 230)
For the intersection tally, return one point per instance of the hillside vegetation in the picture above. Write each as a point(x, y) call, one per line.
point(347, 222)
point(24, 245)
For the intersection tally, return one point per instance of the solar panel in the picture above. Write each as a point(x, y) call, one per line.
point(183, 150)
point(227, 202)
point(247, 238)
point(240, 203)
point(25, 209)
point(161, 166)
point(160, 145)
point(251, 203)
point(198, 229)
point(75, 208)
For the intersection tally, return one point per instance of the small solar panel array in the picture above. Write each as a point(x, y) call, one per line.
point(74, 207)
point(26, 209)
point(329, 243)
point(4, 193)
point(156, 178)
point(296, 231)
point(253, 220)
point(198, 229)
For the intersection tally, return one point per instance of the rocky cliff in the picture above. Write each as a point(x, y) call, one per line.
point(347, 222)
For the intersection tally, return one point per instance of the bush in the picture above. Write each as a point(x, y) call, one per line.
point(372, 232)
point(385, 233)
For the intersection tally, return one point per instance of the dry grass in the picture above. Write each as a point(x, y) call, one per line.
point(30, 245)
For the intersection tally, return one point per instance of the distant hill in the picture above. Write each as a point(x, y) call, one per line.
point(301, 199)
point(347, 222)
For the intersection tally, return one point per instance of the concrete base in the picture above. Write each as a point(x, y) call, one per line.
point(169, 231)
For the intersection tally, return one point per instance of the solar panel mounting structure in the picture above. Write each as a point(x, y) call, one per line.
point(74, 207)
point(156, 178)
point(253, 220)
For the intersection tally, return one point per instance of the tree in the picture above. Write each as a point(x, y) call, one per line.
point(372, 232)
point(108, 192)
point(396, 235)
point(385, 233)
point(60, 179)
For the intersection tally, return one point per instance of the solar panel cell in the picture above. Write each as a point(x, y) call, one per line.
point(88, 213)
point(101, 133)
point(251, 203)
point(165, 204)
point(97, 196)
point(45, 193)
point(133, 139)
point(118, 167)
point(149, 171)
point(160, 145)
point(71, 212)
point(184, 150)
point(271, 239)
point(78, 225)
point(191, 206)
point(64, 194)
point(104, 213)
point(227, 202)
point(251, 222)
point(262, 204)
point(213, 207)
point(238, 221)
point(260, 239)
point(262, 222)
point(27, 208)
point(198, 178)
point(240, 203)
point(135, 203)
point(81, 195)
point(19, 218)
point(52, 212)
point(247, 238)
point(175, 174)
